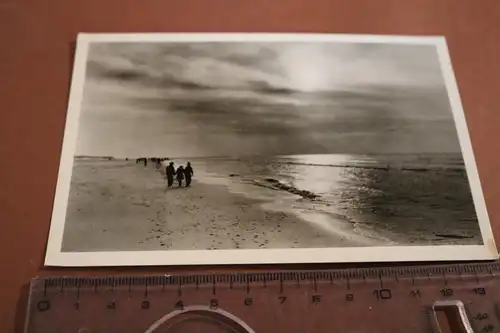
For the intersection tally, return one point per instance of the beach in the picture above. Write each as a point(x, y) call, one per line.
point(108, 212)
point(270, 202)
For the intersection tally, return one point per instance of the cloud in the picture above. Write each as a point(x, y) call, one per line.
point(176, 67)
point(289, 66)
point(262, 98)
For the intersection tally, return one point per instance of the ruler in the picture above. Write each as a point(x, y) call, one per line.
point(450, 298)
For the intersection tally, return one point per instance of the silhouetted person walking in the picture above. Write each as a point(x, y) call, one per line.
point(170, 172)
point(188, 171)
point(180, 175)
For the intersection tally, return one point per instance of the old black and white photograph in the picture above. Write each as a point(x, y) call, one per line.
point(265, 148)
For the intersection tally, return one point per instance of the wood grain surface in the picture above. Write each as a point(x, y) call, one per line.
point(36, 39)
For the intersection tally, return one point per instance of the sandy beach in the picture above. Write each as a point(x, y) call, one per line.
point(108, 212)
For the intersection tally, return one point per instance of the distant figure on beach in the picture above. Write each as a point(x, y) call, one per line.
point(180, 175)
point(170, 172)
point(158, 164)
point(188, 171)
point(142, 159)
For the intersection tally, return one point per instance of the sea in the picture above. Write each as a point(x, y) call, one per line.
point(392, 199)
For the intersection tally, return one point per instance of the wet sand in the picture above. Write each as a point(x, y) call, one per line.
point(123, 206)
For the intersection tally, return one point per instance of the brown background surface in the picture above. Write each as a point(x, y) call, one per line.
point(35, 68)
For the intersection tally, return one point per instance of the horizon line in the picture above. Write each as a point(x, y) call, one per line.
point(266, 155)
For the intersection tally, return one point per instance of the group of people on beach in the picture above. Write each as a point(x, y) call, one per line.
point(180, 174)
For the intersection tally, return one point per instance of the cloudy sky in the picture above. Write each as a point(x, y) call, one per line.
point(229, 99)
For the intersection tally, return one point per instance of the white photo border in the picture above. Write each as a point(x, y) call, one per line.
point(55, 257)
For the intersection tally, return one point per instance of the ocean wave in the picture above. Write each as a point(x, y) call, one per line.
point(382, 167)
point(274, 184)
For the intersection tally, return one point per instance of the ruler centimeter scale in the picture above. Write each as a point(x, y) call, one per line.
point(451, 298)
